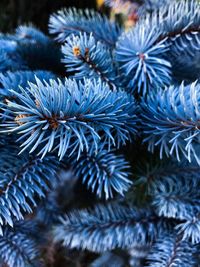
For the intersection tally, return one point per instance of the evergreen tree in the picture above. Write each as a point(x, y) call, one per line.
point(100, 139)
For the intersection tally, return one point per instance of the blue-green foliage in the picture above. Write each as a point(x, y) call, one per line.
point(14, 80)
point(26, 33)
point(152, 5)
point(173, 190)
point(22, 179)
point(104, 173)
point(170, 250)
point(70, 116)
point(180, 24)
point(162, 46)
point(86, 57)
point(27, 49)
point(9, 57)
point(170, 120)
point(140, 57)
point(18, 249)
point(75, 21)
point(107, 228)
point(177, 195)
point(68, 145)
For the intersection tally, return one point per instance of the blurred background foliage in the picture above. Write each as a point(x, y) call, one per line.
point(17, 12)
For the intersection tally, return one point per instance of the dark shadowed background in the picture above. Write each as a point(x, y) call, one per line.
point(16, 12)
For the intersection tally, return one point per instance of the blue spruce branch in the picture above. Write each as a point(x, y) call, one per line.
point(76, 21)
point(70, 116)
point(169, 250)
point(107, 227)
point(14, 80)
point(23, 178)
point(140, 60)
point(104, 173)
point(170, 121)
point(19, 250)
point(85, 57)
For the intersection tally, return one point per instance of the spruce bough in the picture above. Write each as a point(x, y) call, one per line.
point(100, 139)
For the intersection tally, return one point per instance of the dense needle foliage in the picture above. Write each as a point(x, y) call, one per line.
point(100, 138)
